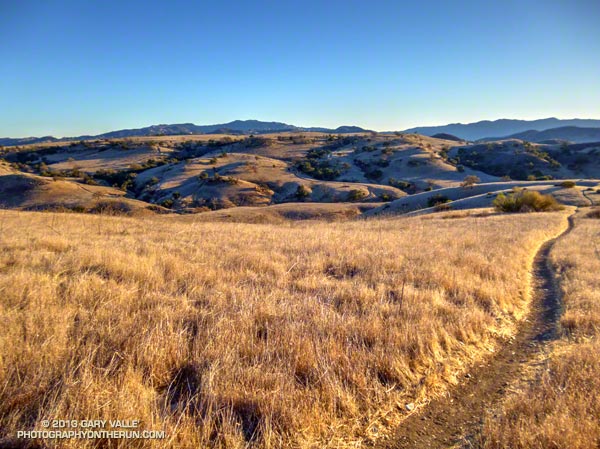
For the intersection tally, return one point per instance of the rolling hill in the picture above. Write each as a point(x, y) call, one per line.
point(351, 173)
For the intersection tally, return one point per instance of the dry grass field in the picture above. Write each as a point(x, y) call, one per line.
point(561, 409)
point(300, 334)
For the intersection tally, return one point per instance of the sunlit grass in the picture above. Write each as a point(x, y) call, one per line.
point(561, 409)
point(224, 334)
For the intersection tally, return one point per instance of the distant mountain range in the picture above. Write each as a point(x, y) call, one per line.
point(502, 127)
point(235, 127)
point(570, 133)
point(574, 130)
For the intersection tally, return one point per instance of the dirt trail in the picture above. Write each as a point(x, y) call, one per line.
point(455, 421)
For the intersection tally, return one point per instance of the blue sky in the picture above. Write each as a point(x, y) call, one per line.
point(79, 67)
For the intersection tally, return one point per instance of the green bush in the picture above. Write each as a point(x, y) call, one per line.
point(375, 174)
point(403, 185)
point(436, 200)
point(168, 203)
point(470, 181)
point(302, 192)
point(87, 179)
point(526, 201)
point(356, 195)
point(319, 169)
point(568, 184)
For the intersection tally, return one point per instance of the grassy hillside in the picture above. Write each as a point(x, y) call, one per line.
point(27, 191)
point(302, 334)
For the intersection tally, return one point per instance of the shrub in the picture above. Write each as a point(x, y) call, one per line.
point(437, 199)
point(317, 153)
point(442, 207)
point(356, 195)
point(526, 201)
point(470, 181)
point(568, 184)
point(375, 174)
point(594, 213)
point(403, 185)
point(369, 148)
point(111, 208)
point(319, 169)
point(302, 192)
point(87, 179)
point(255, 142)
point(168, 203)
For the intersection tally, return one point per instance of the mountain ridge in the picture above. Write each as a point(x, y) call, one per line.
point(235, 126)
point(481, 130)
point(501, 127)
point(573, 134)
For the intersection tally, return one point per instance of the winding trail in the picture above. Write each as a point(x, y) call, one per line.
point(455, 420)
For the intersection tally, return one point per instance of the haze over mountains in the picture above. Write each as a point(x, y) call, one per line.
point(574, 130)
point(571, 133)
point(501, 128)
point(234, 127)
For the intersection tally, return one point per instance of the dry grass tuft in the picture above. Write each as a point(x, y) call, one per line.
point(305, 334)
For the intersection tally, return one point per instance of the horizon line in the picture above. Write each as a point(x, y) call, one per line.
point(285, 123)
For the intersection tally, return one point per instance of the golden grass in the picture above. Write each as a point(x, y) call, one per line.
point(562, 408)
point(304, 334)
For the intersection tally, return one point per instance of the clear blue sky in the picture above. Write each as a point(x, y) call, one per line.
point(85, 66)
